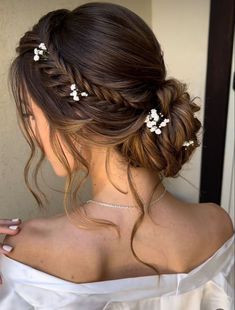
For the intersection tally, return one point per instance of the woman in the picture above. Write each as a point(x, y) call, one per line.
point(91, 93)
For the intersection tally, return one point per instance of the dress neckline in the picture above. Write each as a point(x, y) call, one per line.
point(228, 243)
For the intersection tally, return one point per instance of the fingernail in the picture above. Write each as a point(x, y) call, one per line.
point(7, 248)
point(15, 220)
point(13, 227)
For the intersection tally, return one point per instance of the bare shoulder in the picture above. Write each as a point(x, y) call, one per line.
point(215, 227)
point(219, 222)
point(54, 246)
point(29, 239)
point(47, 236)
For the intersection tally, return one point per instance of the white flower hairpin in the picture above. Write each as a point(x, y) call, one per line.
point(187, 143)
point(152, 119)
point(40, 52)
point(74, 93)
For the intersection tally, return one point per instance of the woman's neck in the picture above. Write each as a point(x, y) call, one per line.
point(103, 190)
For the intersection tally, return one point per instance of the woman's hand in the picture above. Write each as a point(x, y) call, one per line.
point(8, 227)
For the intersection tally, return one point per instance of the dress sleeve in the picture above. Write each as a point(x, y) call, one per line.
point(219, 293)
point(9, 297)
point(230, 277)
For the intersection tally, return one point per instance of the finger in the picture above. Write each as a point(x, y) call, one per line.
point(5, 248)
point(10, 221)
point(11, 230)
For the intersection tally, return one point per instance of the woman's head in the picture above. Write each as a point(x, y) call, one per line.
point(112, 54)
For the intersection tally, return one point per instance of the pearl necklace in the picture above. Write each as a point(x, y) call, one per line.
point(121, 206)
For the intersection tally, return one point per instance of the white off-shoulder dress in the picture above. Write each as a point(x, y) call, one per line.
point(207, 287)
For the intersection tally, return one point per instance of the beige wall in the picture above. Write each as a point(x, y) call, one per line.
point(16, 17)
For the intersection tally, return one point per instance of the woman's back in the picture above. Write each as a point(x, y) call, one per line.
point(186, 236)
point(55, 265)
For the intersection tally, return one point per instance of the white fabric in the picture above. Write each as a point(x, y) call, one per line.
point(206, 287)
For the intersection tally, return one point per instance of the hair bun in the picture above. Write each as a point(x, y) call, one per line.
point(171, 91)
point(166, 152)
point(176, 104)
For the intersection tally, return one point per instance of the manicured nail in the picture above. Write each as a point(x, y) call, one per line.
point(13, 227)
point(15, 220)
point(7, 248)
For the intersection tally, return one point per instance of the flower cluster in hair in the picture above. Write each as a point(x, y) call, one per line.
point(152, 119)
point(41, 52)
point(74, 93)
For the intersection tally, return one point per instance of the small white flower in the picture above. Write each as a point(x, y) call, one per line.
point(76, 98)
point(84, 94)
point(36, 57)
point(40, 52)
point(73, 87)
point(36, 51)
point(73, 93)
point(42, 46)
point(153, 128)
point(156, 117)
point(158, 131)
point(149, 124)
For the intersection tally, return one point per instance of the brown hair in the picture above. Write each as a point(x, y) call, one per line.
point(110, 52)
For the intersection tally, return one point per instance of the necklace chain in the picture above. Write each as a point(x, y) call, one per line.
point(122, 206)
